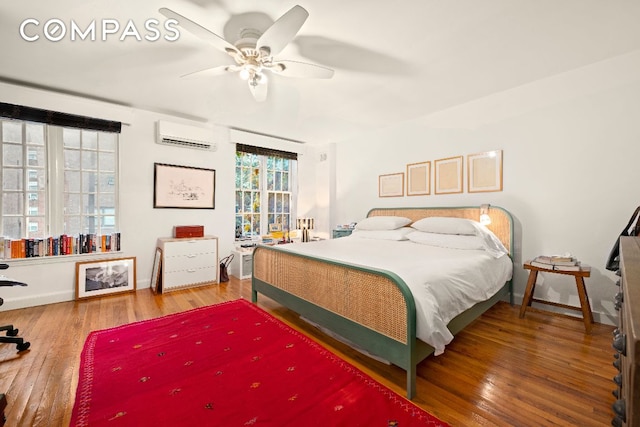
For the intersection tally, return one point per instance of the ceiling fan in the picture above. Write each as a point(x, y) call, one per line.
point(254, 52)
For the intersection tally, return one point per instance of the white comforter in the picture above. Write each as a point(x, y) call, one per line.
point(444, 282)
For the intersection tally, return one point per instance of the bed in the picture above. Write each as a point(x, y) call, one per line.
point(371, 307)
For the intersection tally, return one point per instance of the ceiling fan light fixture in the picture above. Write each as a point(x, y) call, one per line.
point(257, 79)
point(244, 73)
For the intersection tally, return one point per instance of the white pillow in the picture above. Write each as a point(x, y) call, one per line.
point(382, 223)
point(452, 241)
point(492, 244)
point(399, 234)
point(445, 225)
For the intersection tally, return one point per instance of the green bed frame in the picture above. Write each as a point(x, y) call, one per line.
point(372, 308)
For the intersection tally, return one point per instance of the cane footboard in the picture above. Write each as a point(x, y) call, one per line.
point(372, 309)
point(372, 299)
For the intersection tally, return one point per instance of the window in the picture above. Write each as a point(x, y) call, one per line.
point(89, 181)
point(265, 191)
point(40, 200)
point(24, 177)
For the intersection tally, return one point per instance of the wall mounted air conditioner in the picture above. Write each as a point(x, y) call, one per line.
point(179, 135)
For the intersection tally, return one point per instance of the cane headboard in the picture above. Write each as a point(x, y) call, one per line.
point(501, 220)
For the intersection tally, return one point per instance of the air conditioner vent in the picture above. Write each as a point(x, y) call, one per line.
point(185, 143)
point(179, 135)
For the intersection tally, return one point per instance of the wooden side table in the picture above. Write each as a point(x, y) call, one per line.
point(528, 298)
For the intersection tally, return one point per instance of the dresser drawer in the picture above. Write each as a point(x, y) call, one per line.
point(189, 247)
point(191, 276)
point(190, 262)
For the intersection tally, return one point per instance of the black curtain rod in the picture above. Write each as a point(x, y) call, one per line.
point(30, 114)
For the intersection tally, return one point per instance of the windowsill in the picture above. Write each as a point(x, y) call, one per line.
point(59, 258)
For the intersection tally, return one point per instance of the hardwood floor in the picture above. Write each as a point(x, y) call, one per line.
point(542, 370)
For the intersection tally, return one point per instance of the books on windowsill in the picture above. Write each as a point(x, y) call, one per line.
point(558, 263)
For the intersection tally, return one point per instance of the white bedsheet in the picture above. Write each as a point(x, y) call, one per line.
point(444, 282)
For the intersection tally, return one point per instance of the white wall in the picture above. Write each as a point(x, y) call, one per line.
point(52, 279)
point(571, 146)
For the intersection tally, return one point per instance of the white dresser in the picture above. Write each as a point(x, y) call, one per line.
point(188, 262)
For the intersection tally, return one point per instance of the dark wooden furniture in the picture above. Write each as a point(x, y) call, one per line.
point(3, 406)
point(585, 308)
point(626, 338)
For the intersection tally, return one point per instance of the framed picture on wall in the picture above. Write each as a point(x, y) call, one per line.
point(448, 174)
point(484, 171)
point(183, 187)
point(391, 185)
point(419, 179)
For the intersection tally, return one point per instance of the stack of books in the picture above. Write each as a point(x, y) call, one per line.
point(555, 262)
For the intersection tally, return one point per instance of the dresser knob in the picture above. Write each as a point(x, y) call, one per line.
point(616, 393)
point(619, 343)
point(616, 422)
point(618, 380)
point(618, 282)
point(616, 364)
point(619, 408)
point(616, 332)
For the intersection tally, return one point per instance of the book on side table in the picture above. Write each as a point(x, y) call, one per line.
point(558, 263)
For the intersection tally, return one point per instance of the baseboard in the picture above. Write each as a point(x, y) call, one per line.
point(598, 317)
point(35, 300)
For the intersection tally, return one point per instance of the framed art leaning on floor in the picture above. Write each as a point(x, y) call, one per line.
point(105, 277)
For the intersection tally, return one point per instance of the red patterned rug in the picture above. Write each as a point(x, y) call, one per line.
point(230, 364)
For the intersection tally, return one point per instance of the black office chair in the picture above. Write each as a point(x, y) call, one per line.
point(12, 332)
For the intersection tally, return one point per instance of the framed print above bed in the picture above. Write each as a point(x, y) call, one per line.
point(419, 179)
point(448, 175)
point(391, 185)
point(484, 171)
point(183, 187)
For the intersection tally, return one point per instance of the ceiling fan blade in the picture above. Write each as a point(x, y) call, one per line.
point(278, 35)
point(302, 69)
point(214, 71)
point(259, 91)
point(200, 31)
point(347, 56)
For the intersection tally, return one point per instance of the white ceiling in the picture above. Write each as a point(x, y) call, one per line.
point(393, 61)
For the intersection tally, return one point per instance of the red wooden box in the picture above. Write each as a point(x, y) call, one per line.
point(180, 231)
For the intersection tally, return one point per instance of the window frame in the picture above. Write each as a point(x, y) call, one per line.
point(99, 213)
point(54, 189)
point(27, 169)
point(264, 194)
